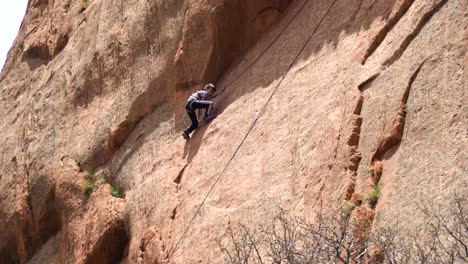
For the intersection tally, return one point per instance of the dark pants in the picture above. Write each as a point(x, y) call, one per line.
point(191, 106)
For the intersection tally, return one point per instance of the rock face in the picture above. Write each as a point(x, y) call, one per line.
point(91, 92)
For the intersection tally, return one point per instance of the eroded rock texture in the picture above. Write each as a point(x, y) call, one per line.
point(376, 95)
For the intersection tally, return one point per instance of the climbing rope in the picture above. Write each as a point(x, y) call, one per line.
point(266, 49)
point(248, 132)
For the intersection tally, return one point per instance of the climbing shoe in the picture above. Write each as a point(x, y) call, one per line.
point(185, 135)
point(207, 119)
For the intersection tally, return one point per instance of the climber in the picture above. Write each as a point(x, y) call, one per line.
point(199, 100)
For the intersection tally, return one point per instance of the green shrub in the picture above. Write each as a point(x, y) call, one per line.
point(89, 174)
point(66, 7)
point(374, 196)
point(102, 179)
point(348, 207)
point(88, 186)
point(360, 199)
point(115, 192)
point(84, 5)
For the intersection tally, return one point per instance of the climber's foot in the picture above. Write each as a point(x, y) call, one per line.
point(185, 135)
point(208, 119)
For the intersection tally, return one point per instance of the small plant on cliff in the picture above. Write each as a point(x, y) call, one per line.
point(374, 196)
point(348, 207)
point(88, 187)
point(89, 174)
point(66, 7)
point(102, 179)
point(84, 5)
point(115, 192)
point(360, 199)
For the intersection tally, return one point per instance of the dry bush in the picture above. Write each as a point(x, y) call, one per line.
point(443, 239)
point(293, 240)
point(340, 239)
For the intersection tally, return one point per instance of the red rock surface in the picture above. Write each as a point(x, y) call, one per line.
point(376, 95)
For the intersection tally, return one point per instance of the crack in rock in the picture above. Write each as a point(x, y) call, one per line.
point(414, 33)
point(382, 34)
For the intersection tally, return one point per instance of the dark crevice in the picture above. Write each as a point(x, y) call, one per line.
point(353, 151)
point(28, 195)
point(44, 210)
point(364, 213)
point(41, 54)
point(28, 231)
point(353, 16)
point(367, 83)
point(394, 137)
point(142, 106)
point(174, 213)
point(111, 245)
point(179, 176)
point(335, 155)
point(37, 56)
point(410, 37)
point(88, 84)
point(390, 142)
point(61, 43)
point(118, 137)
point(49, 222)
point(10, 247)
point(379, 38)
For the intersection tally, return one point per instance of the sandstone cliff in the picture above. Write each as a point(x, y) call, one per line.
point(363, 92)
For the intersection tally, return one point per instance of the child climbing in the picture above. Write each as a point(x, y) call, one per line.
point(199, 100)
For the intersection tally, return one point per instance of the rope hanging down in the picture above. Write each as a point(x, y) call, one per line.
point(266, 49)
point(248, 132)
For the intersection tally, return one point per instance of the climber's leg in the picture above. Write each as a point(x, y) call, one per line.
point(207, 105)
point(191, 107)
point(194, 125)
